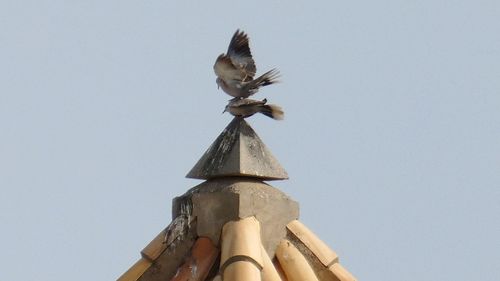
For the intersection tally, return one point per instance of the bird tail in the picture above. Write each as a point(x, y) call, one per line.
point(267, 78)
point(273, 111)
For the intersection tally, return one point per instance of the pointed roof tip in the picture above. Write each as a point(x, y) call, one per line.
point(238, 151)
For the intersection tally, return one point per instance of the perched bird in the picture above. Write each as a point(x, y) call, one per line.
point(248, 107)
point(236, 69)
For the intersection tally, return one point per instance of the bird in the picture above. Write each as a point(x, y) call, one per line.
point(248, 107)
point(236, 70)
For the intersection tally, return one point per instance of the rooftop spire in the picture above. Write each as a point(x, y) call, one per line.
point(238, 151)
point(234, 226)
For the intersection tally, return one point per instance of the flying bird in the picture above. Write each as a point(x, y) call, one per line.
point(248, 107)
point(236, 70)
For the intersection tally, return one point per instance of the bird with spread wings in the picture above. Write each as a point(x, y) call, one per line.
point(236, 70)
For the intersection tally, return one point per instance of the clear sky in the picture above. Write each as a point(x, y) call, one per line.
point(391, 136)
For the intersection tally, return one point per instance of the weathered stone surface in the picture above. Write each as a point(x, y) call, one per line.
point(223, 207)
point(216, 202)
point(238, 151)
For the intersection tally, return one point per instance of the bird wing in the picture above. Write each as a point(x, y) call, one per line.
point(247, 102)
point(241, 56)
point(225, 69)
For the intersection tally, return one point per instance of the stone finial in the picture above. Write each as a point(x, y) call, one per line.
point(215, 202)
point(238, 151)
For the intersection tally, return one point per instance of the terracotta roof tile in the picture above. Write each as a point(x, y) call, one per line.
point(269, 272)
point(279, 269)
point(326, 255)
point(241, 240)
point(234, 226)
point(198, 264)
point(242, 271)
point(294, 264)
point(154, 249)
point(136, 271)
point(167, 263)
point(340, 273)
point(243, 258)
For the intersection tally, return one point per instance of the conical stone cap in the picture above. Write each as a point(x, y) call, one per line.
point(238, 151)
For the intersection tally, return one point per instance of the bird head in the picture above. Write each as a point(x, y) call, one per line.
point(218, 81)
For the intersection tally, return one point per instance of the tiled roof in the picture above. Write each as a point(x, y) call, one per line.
point(234, 226)
point(299, 256)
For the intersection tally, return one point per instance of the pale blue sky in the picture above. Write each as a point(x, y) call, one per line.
point(391, 136)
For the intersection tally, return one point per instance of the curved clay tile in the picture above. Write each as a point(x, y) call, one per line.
point(242, 271)
point(294, 264)
point(136, 270)
point(341, 273)
point(241, 255)
point(327, 265)
point(241, 240)
point(279, 269)
point(269, 272)
point(251, 224)
point(154, 249)
point(326, 255)
point(198, 265)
